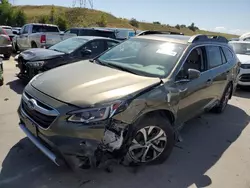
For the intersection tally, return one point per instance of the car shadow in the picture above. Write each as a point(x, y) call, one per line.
point(243, 92)
point(17, 86)
point(205, 140)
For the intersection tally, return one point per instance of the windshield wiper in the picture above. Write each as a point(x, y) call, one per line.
point(58, 51)
point(120, 68)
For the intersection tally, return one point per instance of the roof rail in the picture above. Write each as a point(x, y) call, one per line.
point(152, 32)
point(207, 38)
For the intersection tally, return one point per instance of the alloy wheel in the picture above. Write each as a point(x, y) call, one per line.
point(148, 144)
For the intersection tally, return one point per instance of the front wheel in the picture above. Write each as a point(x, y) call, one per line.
point(224, 100)
point(152, 141)
point(7, 56)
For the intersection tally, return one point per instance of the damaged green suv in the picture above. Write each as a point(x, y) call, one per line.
point(129, 103)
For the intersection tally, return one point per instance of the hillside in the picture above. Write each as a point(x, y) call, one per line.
point(87, 17)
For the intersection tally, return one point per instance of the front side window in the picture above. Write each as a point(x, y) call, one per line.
point(195, 60)
point(214, 56)
point(96, 47)
point(26, 29)
point(241, 48)
point(68, 45)
point(144, 57)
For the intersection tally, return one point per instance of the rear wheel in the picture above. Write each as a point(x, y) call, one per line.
point(224, 100)
point(152, 141)
point(33, 45)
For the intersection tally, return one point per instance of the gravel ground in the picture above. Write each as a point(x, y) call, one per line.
point(215, 152)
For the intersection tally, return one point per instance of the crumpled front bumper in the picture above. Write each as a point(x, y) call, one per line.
point(40, 145)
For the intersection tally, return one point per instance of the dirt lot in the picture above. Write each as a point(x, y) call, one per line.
point(215, 152)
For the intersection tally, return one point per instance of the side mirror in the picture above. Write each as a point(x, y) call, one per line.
point(86, 52)
point(193, 74)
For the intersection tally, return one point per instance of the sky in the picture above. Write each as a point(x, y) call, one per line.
point(229, 16)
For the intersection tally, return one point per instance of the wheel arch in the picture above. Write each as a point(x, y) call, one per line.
point(160, 112)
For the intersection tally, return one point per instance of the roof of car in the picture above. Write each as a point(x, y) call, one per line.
point(93, 37)
point(240, 41)
point(165, 37)
point(184, 39)
point(93, 28)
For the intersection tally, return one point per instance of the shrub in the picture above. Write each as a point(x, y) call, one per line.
point(134, 22)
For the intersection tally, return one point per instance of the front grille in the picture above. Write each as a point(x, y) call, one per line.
point(245, 78)
point(39, 118)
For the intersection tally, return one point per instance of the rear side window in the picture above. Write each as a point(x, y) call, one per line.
point(228, 54)
point(44, 28)
point(224, 60)
point(75, 31)
point(214, 56)
point(97, 33)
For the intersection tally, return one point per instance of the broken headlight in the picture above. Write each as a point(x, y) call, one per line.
point(96, 114)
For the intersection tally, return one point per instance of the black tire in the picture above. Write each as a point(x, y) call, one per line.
point(16, 48)
point(7, 56)
point(163, 124)
point(1, 82)
point(224, 100)
point(33, 45)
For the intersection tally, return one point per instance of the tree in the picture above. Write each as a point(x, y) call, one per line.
point(43, 19)
point(19, 18)
point(192, 27)
point(6, 13)
point(177, 26)
point(102, 21)
point(62, 23)
point(134, 22)
point(183, 26)
point(157, 23)
point(52, 15)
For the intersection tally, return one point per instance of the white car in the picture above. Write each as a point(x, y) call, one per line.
point(242, 50)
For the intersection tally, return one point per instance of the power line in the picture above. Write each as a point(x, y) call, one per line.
point(83, 3)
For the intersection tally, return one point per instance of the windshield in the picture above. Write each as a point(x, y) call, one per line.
point(69, 45)
point(144, 57)
point(241, 48)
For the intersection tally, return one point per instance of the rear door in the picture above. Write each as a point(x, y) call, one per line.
point(195, 95)
point(218, 68)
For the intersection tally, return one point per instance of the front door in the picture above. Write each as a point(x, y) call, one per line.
point(195, 95)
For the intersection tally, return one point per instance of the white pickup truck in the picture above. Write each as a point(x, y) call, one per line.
point(37, 35)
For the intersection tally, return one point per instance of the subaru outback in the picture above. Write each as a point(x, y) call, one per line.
point(130, 102)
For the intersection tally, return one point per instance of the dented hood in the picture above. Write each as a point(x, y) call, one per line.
point(86, 84)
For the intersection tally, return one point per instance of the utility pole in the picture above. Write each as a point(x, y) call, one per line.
point(83, 3)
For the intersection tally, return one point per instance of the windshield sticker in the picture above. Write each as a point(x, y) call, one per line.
point(167, 49)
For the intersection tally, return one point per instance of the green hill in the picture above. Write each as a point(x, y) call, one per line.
point(87, 17)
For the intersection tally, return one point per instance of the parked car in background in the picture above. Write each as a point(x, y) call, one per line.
point(5, 41)
point(9, 31)
point(1, 72)
point(242, 50)
point(245, 37)
point(37, 35)
point(100, 32)
point(130, 102)
point(16, 30)
point(34, 61)
point(124, 33)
